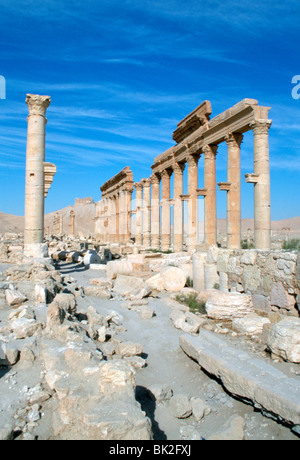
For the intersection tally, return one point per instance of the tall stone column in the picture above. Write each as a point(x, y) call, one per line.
point(192, 213)
point(155, 212)
point(233, 141)
point(122, 216)
point(34, 188)
point(210, 200)
point(106, 211)
point(128, 215)
point(165, 211)
point(261, 180)
point(147, 213)
point(178, 206)
point(72, 222)
point(117, 211)
point(138, 213)
point(112, 220)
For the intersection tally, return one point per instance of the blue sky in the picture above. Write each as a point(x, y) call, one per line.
point(122, 74)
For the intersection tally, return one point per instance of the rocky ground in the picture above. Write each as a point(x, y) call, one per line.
point(84, 356)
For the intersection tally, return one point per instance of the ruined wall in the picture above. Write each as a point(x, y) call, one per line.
point(271, 277)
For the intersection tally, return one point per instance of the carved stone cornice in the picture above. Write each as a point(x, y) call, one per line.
point(37, 105)
point(260, 126)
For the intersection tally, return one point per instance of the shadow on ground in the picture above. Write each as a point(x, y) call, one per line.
point(143, 396)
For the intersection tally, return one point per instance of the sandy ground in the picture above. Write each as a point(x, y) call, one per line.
point(168, 364)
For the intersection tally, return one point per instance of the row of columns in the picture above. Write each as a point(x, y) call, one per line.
point(156, 210)
point(113, 217)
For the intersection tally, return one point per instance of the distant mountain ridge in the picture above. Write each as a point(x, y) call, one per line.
point(85, 213)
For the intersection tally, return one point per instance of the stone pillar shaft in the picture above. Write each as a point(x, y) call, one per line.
point(147, 213)
point(233, 141)
point(155, 212)
point(34, 188)
point(192, 201)
point(138, 214)
point(262, 194)
point(178, 207)
point(165, 211)
point(210, 201)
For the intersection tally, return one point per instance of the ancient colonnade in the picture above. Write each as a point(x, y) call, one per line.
point(196, 136)
point(112, 220)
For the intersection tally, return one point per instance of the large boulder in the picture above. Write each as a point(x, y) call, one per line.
point(284, 340)
point(171, 279)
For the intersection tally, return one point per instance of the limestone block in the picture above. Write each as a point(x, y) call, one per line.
point(199, 259)
point(24, 327)
point(211, 277)
point(40, 293)
point(116, 376)
point(222, 261)
point(284, 340)
point(121, 267)
point(251, 278)
point(280, 297)
point(250, 325)
point(147, 313)
point(97, 291)
point(248, 257)
point(129, 349)
point(222, 306)
point(125, 284)
point(66, 301)
point(14, 297)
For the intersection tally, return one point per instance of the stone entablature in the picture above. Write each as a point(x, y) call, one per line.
point(196, 119)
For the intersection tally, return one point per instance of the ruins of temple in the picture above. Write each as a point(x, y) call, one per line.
point(196, 135)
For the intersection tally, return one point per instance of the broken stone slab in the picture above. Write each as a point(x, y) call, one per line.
point(97, 291)
point(226, 306)
point(249, 378)
point(232, 430)
point(284, 340)
point(129, 349)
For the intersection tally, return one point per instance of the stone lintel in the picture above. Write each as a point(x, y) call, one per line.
point(251, 178)
point(123, 181)
point(194, 120)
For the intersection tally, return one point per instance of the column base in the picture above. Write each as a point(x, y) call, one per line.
point(36, 250)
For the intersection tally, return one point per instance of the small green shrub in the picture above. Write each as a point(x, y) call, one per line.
point(291, 245)
point(191, 301)
point(246, 245)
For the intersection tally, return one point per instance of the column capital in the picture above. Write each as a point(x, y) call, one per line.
point(155, 179)
point(192, 160)
point(178, 168)
point(166, 173)
point(37, 105)
point(210, 151)
point(260, 126)
point(234, 139)
point(146, 182)
point(138, 186)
